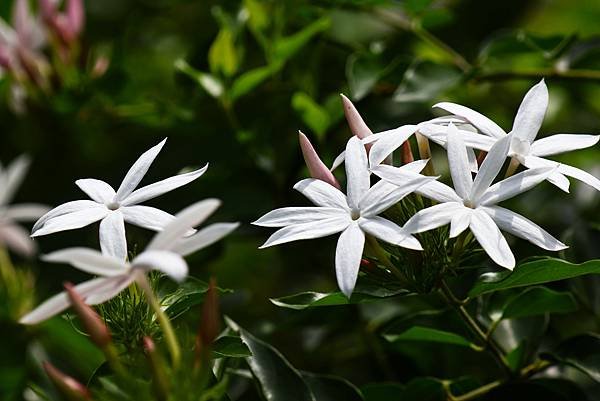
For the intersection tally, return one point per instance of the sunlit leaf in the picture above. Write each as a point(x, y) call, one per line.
point(231, 347)
point(313, 115)
point(427, 334)
point(222, 55)
point(249, 80)
point(288, 46)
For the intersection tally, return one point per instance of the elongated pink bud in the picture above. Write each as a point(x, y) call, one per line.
point(48, 8)
point(407, 155)
point(93, 324)
point(161, 383)
point(75, 15)
point(355, 121)
point(67, 386)
point(316, 167)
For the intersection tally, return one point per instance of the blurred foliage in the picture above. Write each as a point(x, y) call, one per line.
point(231, 82)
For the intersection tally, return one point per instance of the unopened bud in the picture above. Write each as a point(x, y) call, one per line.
point(316, 167)
point(355, 121)
point(92, 323)
point(100, 67)
point(160, 381)
point(211, 321)
point(407, 155)
point(67, 386)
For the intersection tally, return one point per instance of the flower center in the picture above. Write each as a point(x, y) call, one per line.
point(519, 147)
point(469, 203)
point(113, 206)
point(355, 214)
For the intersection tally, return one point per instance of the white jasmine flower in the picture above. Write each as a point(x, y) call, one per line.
point(164, 253)
point(524, 148)
point(473, 203)
point(113, 209)
point(353, 215)
point(12, 235)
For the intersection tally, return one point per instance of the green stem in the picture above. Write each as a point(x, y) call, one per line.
point(384, 259)
point(163, 321)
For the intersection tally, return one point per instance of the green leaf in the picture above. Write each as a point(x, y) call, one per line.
point(532, 273)
point(362, 73)
point(424, 389)
point(537, 301)
point(286, 47)
point(312, 114)
point(180, 299)
point(211, 84)
point(222, 55)
point(581, 352)
point(258, 18)
point(382, 391)
point(423, 81)
point(230, 347)
point(427, 334)
point(251, 79)
point(331, 388)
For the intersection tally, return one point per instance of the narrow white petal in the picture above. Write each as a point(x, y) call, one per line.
point(388, 231)
point(97, 190)
point(15, 173)
point(146, 216)
point(433, 217)
point(17, 239)
point(110, 289)
point(338, 161)
point(166, 262)
point(472, 160)
point(531, 113)
point(515, 185)
point(439, 135)
point(460, 222)
point(161, 187)
point(184, 221)
point(555, 178)
point(59, 302)
point(322, 194)
point(439, 192)
point(25, 212)
point(523, 228)
point(416, 167)
point(388, 142)
point(481, 122)
point(459, 164)
point(491, 166)
point(112, 235)
point(204, 238)
point(580, 175)
point(72, 220)
point(561, 143)
point(348, 253)
point(137, 171)
point(491, 239)
point(65, 208)
point(357, 172)
point(310, 230)
point(88, 260)
point(296, 215)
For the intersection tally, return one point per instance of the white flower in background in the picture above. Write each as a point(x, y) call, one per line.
point(164, 253)
point(113, 209)
point(13, 235)
point(524, 148)
point(473, 203)
point(353, 215)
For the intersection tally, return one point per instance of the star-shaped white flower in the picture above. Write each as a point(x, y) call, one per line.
point(164, 253)
point(12, 235)
point(524, 148)
point(353, 215)
point(113, 209)
point(473, 203)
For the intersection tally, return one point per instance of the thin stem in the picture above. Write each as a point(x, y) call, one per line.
point(383, 258)
point(512, 167)
point(163, 321)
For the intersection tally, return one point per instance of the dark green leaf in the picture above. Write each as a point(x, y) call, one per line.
point(532, 273)
point(331, 388)
point(180, 299)
point(286, 47)
point(424, 389)
point(419, 333)
point(382, 391)
point(581, 352)
point(231, 347)
point(362, 73)
point(537, 301)
point(425, 80)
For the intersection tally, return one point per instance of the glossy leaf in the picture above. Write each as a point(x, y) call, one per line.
point(231, 347)
point(537, 301)
point(423, 81)
point(331, 388)
point(532, 273)
point(180, 298)
point(427, 334)
point(581, 352)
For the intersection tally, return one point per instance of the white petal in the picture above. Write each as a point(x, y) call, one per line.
point(439, 134)
point(433, 217)
point(561, 143)
point(65, 208)
point(348, 253)
point(137, 171)
point(388, 142)
point(184, 221)
point(416, 167)
point(88, 260)
point(25, 212)
point(439, 192)
point(17, 239)
point(459, 164)
point(110, 289)
point(389, 232)
point(59, 302)
point(483, 124)
point(295, 215)
point(147, 217)
point(472, 160)
point(515, 185)
point(491, 239)
point(97, 190)
point(523, 228)
point(73, 220)
point(203, 238)
point(15, 173)
point(322, 194)
point(310, 230)
point(531, 113)
point(460, 222)
point(112, 235)
point(580, 175)
point(357, 172)
point(338, 161)
point(555, 178)
point(166, 262)
point(491, 166)
point(161, 187)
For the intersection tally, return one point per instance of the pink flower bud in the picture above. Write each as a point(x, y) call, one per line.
point(76, 15)
point(93, 324)
point(355, 121)
point(316, 167)
point(67, 386)
point(100, 67)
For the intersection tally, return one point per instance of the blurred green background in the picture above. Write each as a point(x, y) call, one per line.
point(231, 82)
